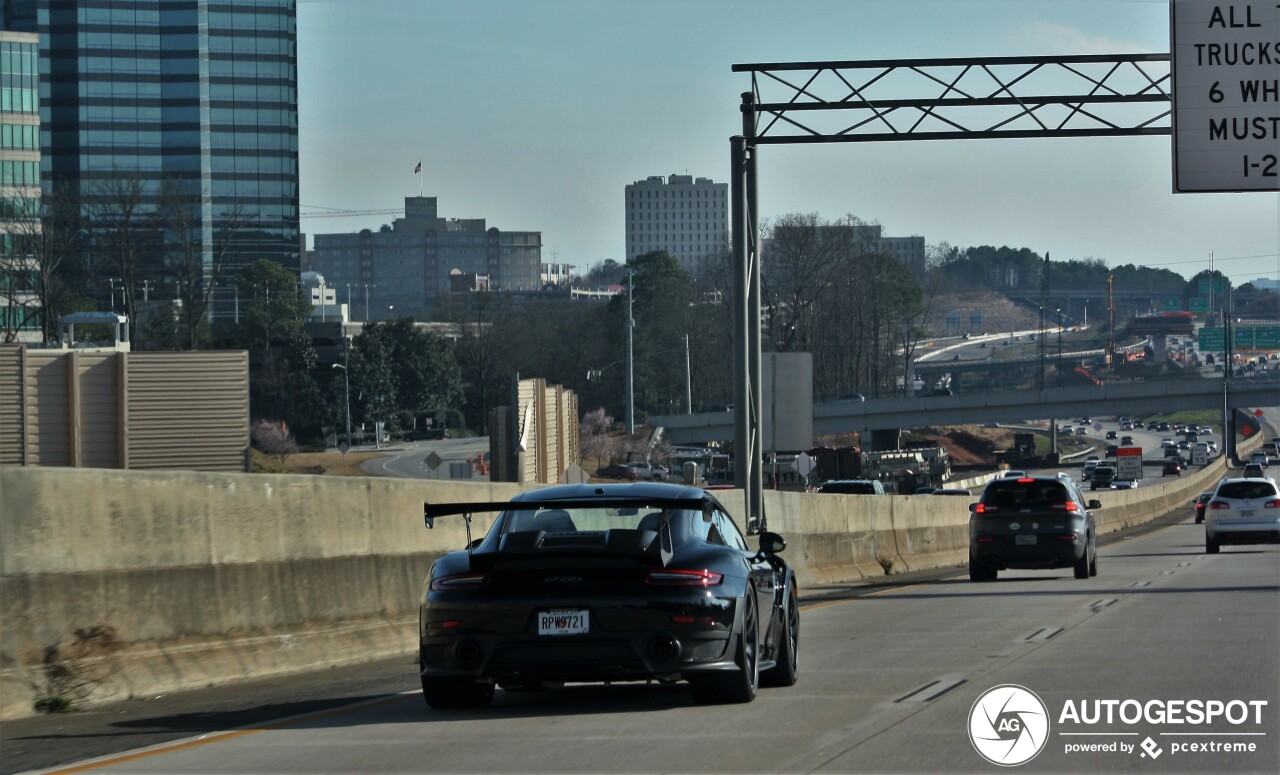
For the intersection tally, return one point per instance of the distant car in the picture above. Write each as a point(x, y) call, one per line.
point(853, 487)
point(1082, 431)
point(1242, 511)
point(1087, 471)
point(1199, 503)
point(617, 471)
point(648, 471)
point(1255, 471)
point(1112, 434)
point(1032, 522)
point(1124, 484)
point(1171, 468)
point(1259, 458)
point(1067, 429)
point(952, 491)
point(1112, 450)
point(1012, 473)
point(1102, 477)
point(1126, 441)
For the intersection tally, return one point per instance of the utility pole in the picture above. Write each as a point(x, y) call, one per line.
point(631, 323)
point(688, 379)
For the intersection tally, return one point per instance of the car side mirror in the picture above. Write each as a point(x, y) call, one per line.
point(1095, 504)
point(973, 508)
point(771, 543)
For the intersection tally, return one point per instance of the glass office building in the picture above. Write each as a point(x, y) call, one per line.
point(190, 96)
point(20, 313)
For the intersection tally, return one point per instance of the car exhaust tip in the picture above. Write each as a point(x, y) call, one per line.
point(468, 654)
point(663, 648)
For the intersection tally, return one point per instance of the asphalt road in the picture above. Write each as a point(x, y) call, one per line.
point(410, 459)
point(888, 679)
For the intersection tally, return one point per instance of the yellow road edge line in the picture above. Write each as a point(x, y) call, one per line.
point(216, 737)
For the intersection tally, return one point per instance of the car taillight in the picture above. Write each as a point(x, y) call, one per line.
point(1215, 505)
point(1275, 504)
point(459, 581)
point(1026, 480)
point(983, 508)
point(1068, 506)
point(684, 578)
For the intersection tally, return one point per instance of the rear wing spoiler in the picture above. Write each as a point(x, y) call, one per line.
point(432, 510)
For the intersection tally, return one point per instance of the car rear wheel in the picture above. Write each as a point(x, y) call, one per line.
point(1199, 518)
point(981, 571)
point(1082, 565)
point(1093, 564)
point(454, 692)
point(1210, 546)
point(737, 685)
point(785, 672)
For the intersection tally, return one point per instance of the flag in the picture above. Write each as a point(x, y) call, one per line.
point(418, 168)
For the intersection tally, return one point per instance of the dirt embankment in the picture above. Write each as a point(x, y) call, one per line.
point(968, 445)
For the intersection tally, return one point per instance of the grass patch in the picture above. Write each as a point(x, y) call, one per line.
point(314, 463)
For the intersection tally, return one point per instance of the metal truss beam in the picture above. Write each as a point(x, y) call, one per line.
point(894, 100)
point(971, 98)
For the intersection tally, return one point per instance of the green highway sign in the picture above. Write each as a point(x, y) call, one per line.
point(1172, 303)
point(1266, 337)
point(1202, 285)
point(1211, 339)
point(1199, 304)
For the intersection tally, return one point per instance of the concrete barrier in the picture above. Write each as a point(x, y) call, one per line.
point(116, 584)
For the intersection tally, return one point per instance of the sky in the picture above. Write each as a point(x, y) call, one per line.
point(535, 114)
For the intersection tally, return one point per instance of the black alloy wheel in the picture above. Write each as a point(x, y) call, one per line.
point(454, 692)
point(737, 685)
point(787, 668)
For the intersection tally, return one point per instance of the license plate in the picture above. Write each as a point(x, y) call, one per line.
point(1246, 512)
point(1025, 540)
point(563, 623)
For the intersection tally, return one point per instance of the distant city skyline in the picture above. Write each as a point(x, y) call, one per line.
point(535, 115)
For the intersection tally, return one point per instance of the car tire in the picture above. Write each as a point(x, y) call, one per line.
point(1093, 565)
point(1210, 546)
point(454, 692)
point(981, 571)
point(1199, 518)
point(787, 668)
point(739, 685)
point(1081, 566)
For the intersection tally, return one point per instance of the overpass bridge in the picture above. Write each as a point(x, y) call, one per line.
point(1113, 398)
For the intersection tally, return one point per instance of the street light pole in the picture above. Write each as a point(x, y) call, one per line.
point(1059, 346)
point(631, 406)
point(346, 385)
point(688, 379)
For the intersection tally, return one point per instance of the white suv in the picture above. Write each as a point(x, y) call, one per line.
point(1242, 511)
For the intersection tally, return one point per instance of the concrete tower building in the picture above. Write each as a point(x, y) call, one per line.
point(685, 216)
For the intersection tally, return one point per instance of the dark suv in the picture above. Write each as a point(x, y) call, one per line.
point(1032, 522)
point(1102, 477)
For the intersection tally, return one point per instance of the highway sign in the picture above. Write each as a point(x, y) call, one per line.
point(1199, 304)
point(1266, 337)
point(1129, 463)
point(1219, 285)
point(1211, 339)
point(1226, 97)
point(1172, 303)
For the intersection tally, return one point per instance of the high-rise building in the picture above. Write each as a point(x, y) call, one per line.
point(20, 313)
point(686, 217)
point(187, 99)
point(404, 269)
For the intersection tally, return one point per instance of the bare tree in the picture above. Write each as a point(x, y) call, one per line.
point(124, 231)
point(195, 263)
point(41, 236)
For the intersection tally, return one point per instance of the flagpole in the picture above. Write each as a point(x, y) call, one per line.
point(419, 181)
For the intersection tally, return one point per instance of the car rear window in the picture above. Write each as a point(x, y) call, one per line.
point(1246, 490)
point(1011, 493)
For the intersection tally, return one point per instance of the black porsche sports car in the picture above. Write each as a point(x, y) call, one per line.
point(613, 582)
